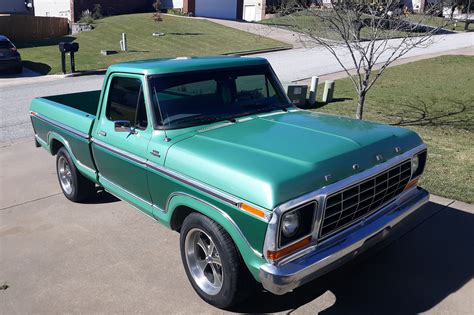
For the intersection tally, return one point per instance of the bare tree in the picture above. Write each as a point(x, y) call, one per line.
point(157, 16)
point(373, 35)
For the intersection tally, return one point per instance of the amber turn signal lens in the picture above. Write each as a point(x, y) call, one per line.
point(412, 183)
point(275, 255)
point(252, 210)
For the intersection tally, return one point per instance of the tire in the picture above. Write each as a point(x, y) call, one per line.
point(74, 185)
point(235, 283)
point(19, 70)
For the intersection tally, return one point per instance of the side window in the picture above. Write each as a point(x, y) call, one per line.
point(126, 102)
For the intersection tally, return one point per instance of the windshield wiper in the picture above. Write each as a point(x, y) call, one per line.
point(203, 119)
point(266, 108)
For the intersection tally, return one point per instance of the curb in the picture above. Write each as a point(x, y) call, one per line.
point(84, 73)
point(260, 51)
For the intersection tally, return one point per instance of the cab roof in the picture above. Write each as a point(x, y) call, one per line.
point(184, 64)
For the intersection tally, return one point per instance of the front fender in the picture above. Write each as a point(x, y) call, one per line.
point(252, 257)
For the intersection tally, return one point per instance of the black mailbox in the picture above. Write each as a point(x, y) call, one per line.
point(71, 48)
point(64, 47)
point(68, 47)
point(74, 47)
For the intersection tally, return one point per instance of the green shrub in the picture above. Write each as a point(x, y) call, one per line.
point(176, 12)
point(86, 17)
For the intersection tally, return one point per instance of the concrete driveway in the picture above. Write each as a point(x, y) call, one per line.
point(106, 257)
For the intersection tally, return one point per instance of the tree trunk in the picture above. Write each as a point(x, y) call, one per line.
point(360, 105)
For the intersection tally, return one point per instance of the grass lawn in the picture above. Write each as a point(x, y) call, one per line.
point(310, 23)
point(440, 21)
point(184, 37)
point(435, 98)
point(304, 21)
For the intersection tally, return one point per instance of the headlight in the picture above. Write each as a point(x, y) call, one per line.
point(290, 224)
point(296, 224)
point(418, 163)
point(415, 163)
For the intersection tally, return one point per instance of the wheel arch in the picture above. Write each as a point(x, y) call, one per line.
point(56, 142)
point(180, 205)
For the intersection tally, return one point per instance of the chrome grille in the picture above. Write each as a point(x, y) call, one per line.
point(355, 202)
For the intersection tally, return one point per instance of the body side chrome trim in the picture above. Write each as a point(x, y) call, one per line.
point(216, 193)
point(223, 213)
point(120, 152)
point(60, 125)
point(196, 184)
point(129, 193)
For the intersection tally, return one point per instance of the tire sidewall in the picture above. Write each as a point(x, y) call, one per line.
point(63, 153)
point(224, 298)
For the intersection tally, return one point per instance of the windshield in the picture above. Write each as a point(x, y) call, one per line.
point(201, 97)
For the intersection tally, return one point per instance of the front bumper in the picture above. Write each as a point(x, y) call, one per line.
point(280, 279)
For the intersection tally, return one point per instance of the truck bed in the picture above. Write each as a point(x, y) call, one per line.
point(83, 101)
point(68, 119)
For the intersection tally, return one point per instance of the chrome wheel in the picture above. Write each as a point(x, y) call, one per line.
point(65, 175)
point(204, 262)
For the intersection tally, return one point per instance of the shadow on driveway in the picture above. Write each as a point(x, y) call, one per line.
point(430, 258)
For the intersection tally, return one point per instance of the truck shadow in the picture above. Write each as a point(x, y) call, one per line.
point(102, 197)
point(409, 273)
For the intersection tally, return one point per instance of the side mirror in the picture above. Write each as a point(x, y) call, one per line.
point(124, 126)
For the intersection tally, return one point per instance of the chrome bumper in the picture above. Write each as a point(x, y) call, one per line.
point(281, 279)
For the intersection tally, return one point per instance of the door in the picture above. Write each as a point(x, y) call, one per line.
point(249, 13)
point(121, 139)
point(222, 9)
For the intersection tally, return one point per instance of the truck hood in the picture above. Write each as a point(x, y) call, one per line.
point(272, 158)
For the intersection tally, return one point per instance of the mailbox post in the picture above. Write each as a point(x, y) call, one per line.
point(74, 49)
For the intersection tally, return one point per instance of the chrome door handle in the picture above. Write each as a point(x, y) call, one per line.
point(155, 153)
point(102, 133)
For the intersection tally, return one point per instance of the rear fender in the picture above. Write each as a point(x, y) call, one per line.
point(85, 170)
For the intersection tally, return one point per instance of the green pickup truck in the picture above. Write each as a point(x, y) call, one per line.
point(211, 147)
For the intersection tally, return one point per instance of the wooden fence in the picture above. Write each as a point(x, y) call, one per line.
point(24, 28)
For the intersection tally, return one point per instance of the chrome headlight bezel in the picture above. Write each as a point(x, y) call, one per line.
point(306, 214)
point(418, 162)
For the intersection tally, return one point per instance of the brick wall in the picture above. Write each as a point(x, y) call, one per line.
point(110, 7)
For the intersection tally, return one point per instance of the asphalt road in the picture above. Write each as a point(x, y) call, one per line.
point(106, 257)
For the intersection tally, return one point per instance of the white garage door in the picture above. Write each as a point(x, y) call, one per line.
point(222, 9)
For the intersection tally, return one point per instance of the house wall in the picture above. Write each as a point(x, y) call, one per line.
point(172, 4)
point(259, 9)
point(56, 8)
point(226, 9)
